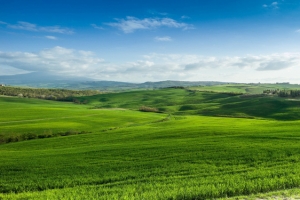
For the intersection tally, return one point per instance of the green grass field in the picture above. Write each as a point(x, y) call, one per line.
point(41, 117)
point(187, 102)
point(223, 147)
point(245, 88)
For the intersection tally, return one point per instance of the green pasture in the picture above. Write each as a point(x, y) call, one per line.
point(202, 145)
point(183, 158)
point(245, 88)
point(22, 116)
point(187, 102)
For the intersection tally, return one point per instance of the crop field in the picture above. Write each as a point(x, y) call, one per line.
point(199, 145)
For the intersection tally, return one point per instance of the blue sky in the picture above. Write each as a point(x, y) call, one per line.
point(137, 41)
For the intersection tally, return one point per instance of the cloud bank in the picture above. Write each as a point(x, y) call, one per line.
point(154, 67)
point(57, 59)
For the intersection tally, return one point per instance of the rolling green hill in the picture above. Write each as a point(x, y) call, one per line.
point(200, 145)
point(191, 157)
point(183, 102)
point(33, 117)
point(245, 88)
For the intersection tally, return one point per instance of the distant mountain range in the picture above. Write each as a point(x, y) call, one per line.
point(47, 80)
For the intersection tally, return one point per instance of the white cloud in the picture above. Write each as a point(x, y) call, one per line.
point(131, 24)
point(24, 26)
point(163, 39)
point(259, 63)
point(97, 27)
point(275, 67)
point(185, 17)
point(273, 5)
point(1, 22)
point(33, 27)
point(155, 67)
point(51, 37)
point(57, 59)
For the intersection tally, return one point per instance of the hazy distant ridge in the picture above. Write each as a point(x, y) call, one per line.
point(45, 80)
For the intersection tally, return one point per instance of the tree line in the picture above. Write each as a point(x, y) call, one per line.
point(49, 94)
point(283, 93)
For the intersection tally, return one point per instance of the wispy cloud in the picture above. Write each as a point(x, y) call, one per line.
point(185, 17)
point(97, 27)
point(1, 22)
point(33, 27)
point(154, 12)
point(163, 39)
point(24, 26)
point(273, 5)
point(51, 37)
point(131, 24)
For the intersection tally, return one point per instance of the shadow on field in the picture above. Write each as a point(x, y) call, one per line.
point(257, 107)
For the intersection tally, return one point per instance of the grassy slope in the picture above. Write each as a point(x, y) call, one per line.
point(19, 116)
point(182, 102)
point(191, 157)
point(186, 157)
point(246, 88)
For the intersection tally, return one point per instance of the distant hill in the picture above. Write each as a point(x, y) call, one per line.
point(47, 80)
point(38, 79)
point(113, 85)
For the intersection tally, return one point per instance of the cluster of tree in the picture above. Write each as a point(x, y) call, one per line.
point(49, 94)
point(276, 91)
point(176, 87)
point(212, 91)
point(283, 93)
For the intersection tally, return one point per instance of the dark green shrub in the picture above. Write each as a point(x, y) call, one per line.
point(148, 109)
point(30, 136)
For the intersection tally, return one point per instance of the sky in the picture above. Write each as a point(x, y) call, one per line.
point(141, 40)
